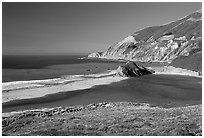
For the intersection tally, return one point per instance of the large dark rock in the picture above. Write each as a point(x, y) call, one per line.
point(131, 69)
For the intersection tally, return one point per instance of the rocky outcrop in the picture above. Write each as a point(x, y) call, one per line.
point(161, 43)
point(131, 69)
point(95, 55)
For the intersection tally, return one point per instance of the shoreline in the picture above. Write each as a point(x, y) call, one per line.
point(20, 90)
point(34, 89)
point(170, 70)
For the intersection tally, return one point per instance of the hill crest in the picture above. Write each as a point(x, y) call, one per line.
point(162, 43)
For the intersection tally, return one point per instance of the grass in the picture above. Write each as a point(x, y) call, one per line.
point(121, 118)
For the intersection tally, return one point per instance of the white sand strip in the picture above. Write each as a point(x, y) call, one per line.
point(8, 86)
point(24, 84)
point(170, 70)
point(85, 83)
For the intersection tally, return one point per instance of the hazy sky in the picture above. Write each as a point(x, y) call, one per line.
point(62, 28)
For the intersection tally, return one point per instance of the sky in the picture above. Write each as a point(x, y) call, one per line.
point(66, 28)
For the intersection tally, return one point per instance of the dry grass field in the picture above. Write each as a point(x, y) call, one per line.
point(119, 118)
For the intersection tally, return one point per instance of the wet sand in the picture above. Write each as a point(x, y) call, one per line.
point(158, 90)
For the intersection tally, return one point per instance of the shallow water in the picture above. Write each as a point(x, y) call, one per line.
point(158, 90)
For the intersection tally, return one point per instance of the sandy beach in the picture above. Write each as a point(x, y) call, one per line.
point(170, 70)
point(38, 88)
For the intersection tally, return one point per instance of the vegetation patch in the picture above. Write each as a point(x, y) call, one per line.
point(120, 118)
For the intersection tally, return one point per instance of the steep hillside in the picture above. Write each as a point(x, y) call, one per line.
point(192, 62)
point(162, 43)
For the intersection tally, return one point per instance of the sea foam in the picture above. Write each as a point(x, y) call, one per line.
point(38, 88)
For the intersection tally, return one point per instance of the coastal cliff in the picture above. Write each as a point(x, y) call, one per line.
point(162, 43)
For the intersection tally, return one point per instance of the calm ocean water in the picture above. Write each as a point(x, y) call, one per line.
point(37, 62)
point(22, 68)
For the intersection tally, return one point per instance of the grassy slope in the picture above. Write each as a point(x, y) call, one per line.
point(108, 119)
point(192, 62)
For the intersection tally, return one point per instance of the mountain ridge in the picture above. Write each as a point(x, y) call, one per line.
point(162, 43)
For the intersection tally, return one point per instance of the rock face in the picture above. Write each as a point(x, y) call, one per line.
point(95, 55)
point(161, 43)
point(131, 69)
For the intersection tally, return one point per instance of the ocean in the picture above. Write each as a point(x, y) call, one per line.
point(22, 68)
point(37, 62)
